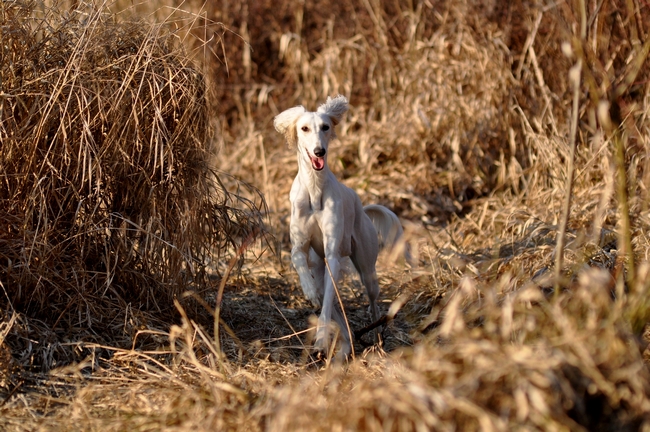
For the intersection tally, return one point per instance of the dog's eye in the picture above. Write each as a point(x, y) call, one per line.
point(305, 129)
point(326, 127)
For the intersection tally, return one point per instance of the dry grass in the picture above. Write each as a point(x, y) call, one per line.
point(109, 202)
point(460, 121)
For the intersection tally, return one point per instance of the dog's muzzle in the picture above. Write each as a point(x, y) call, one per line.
point(317, 161)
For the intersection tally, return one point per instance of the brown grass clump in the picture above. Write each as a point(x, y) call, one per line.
point(108, 199)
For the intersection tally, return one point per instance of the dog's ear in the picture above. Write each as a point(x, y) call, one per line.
point(334, 108)
point(285, 123)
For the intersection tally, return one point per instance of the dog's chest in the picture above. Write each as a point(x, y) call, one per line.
point(319, 228)
point(306, 216)
point(307, 226)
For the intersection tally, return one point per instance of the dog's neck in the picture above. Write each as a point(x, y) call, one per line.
point(314, 181)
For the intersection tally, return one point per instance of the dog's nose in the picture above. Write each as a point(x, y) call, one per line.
point(319, 151)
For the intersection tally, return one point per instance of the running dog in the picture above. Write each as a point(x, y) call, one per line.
point(328, 221)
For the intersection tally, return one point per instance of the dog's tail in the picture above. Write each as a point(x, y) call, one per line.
point(389, 229)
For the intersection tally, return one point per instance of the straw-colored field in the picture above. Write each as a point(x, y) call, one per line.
point(145, 279)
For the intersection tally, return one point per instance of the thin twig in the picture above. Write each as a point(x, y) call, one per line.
point(383, 320)
point(13, 392)
point(395, 307)
point(295, 333)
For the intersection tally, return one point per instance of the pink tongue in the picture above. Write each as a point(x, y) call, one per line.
point(317, 163)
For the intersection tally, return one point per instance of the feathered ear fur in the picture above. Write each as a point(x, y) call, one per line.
point(285, 123)
point(334, 108)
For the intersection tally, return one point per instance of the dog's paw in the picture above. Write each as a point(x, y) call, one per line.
point(310, 290)
point(344, 353)
point(322, 340)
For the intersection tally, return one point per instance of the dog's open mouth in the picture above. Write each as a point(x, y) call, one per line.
point(317, 163)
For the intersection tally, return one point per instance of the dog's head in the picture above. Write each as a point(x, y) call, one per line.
point(311, 132)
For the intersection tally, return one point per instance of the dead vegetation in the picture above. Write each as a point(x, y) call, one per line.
point(461, 121)
point(109, 202)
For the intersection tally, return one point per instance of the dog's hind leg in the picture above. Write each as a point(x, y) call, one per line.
point(318, 273)
point(369, 280)
point(365, 265)
point(346, 344)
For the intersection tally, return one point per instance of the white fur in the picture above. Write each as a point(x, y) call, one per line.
point(328, 221)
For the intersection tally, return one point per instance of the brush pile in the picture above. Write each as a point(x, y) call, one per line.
point(108, 200)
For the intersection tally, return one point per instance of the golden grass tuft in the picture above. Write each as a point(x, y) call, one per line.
point(109, 201)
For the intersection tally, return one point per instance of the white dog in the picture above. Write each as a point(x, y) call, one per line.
point(328, 221)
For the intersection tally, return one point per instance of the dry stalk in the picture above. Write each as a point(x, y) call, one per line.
point(574, 79)
point(609, 114)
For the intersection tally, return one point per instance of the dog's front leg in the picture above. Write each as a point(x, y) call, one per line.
point(322, 333)
point(301, 264)
point(329, 310)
